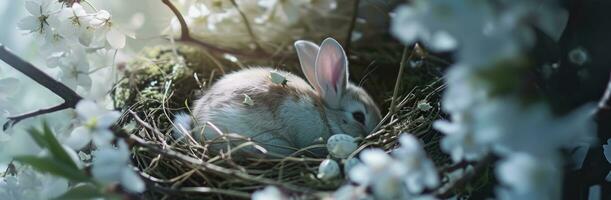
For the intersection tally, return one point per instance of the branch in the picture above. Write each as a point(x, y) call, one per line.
point(184, 29)
point(12, 120)
point(70, 97)
point(247, 24)
point(185, 36)
point(355, 13)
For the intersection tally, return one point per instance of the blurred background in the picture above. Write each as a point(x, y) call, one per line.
point(566, 84)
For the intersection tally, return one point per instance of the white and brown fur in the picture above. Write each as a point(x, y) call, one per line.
point(291, 116)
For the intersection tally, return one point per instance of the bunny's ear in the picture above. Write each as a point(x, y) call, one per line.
point(307, 51)
point(331, 71)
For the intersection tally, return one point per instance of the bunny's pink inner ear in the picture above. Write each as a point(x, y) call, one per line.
point(331, 71)
point(307, 52)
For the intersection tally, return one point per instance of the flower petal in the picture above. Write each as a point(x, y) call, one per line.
point(33, 8)
point(102, 137)
point(115, 38)
point(87, 109)
point(108, 119)
point(29, 23)
point(79, 137)
point(131, 181)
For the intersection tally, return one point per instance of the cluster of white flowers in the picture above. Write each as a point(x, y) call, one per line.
point(273, 22)
point(29, 184)
point(79, 41)
point(404, 175)
point(110, 165)
point(485, 34)
point(95, 124)
point(70, 34)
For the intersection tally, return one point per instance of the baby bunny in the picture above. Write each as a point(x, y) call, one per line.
point(287, 116)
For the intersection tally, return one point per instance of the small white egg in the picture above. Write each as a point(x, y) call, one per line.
point(328, 170)
point(341, 145)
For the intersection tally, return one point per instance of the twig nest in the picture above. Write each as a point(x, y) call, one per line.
point(349, 164)
point(328, 169)
point(341, 145)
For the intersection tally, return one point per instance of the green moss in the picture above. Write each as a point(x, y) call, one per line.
point(163, 75)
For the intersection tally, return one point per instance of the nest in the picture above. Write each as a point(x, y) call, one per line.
point(164, 80)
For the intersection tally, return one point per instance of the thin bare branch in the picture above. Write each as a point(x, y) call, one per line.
point(355, 12)
point(70, 97)
point(12, 120)
point(184, 29)
point(247, 24)
point(185, 36)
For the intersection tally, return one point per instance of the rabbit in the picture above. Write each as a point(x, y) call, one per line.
point(285, 117)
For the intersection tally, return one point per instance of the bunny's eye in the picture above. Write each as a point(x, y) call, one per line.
point(359, 117)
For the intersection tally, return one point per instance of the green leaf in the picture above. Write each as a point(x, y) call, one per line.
point(56, 149)
point(55, 167)
point(47, 140)
point(84, 191)
point(38, 138)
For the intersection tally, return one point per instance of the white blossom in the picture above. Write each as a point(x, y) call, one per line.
point(481, 31)
point(107, 31)
point(269, 193)
point(504, 125)
point(41, 12)
point(351, 192)
point(76, 24)
point(512, 127)
point(374, 162)
point(459, 140)
point(75, 68)
point(31, 185)
point(526, 177)
point(350, 163)
point(405, 175)
point(421, 172)
point(111, 165)
point(96, 122)
point(287, 12)
point(464, 94)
